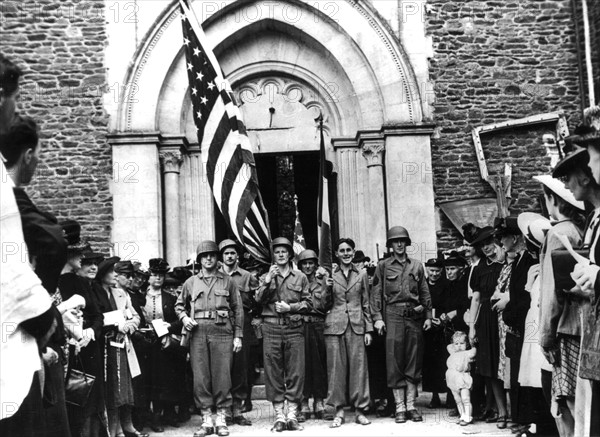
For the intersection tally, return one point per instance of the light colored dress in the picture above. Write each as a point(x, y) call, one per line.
point(457, 375)
point(532, 358)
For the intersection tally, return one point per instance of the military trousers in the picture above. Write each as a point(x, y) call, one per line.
point(211, 355)
point(284, 361)
point(404, 348)
point(242, 370)
point(315, 378)
point(347, 370)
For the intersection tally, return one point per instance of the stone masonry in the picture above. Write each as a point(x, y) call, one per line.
point(496, 61)
point(60, 47)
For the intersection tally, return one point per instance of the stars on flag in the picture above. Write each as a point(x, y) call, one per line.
point(203, 100)
point(199, 75)
point(196, 51)
point(186, 41)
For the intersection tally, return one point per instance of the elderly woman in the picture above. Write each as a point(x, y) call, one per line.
point(348, 329)
point(120, 320)
point(86, 355)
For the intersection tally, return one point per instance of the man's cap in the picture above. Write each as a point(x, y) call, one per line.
point(454, 259)
point(434, 262)
point(359, 256)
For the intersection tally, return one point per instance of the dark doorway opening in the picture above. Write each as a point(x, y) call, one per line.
point(281, 177)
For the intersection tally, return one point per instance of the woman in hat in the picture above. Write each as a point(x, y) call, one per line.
point(483, 326)
point(120, 320)
point(434, 351)
point(166, 362)
point(535, 414)
point(560, 326)
point(86, 355)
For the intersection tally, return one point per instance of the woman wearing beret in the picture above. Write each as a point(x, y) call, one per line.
point(120, 320)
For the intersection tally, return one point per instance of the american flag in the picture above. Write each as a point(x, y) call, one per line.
point(226, 149)
point(299, 243)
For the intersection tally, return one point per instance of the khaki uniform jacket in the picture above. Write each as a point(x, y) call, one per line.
point(246, 284)
point(216, 293)
point(293, 290)
point(348, 302)
point(396, 282)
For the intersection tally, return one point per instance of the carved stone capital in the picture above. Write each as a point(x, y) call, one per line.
point(373, 152)
point(171, 160)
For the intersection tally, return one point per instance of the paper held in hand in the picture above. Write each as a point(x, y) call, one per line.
point(567, 243)
point(114, 318)
point(160, 327)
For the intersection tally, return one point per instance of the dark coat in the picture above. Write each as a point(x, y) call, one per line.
point(520, 300)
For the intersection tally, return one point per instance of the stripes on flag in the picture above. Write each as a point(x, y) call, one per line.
point(226, 149)
point(323, 219)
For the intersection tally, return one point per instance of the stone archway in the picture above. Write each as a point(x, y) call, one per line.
point(352, 69)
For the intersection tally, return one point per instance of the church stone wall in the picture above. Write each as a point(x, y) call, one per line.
point(60, 47)
point(495, 61)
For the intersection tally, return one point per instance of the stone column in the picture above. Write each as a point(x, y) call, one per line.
point(171, 158)
point(373, 150)
point(136, 192)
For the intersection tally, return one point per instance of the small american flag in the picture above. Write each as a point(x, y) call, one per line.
point(299, 243)
point(226, 149)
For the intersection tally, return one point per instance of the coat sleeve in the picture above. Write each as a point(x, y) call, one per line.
point(136, 317)
point(238, 309)
point(324, 302)
point(377, 294)
point(424, 295)
point(181, 306)
point(171, 317)
point(366, 303)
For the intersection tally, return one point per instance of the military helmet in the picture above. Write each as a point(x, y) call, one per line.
point(207, 246)
point(228, 243)
point(307, 254)
point(282, 241)
point(395, 233)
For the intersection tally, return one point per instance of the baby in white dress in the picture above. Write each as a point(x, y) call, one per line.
point(458, 378)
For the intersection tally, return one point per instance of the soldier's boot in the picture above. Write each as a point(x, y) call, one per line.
point(280, 423)
point(411, 396)
point(292, 417)
point(207, 427)
point(400, 404)
point(238, 418)
point(220, 423)
point(319, 407)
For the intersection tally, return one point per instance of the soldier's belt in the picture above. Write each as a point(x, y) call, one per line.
point(312, 319)
point(205, 315)
point(276, 320)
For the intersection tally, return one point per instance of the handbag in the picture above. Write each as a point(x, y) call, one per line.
point(563, 264)
point(78, 386)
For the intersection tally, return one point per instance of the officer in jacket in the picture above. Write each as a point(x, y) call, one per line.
point(284, 297)
point(210, 308)
point(240, 372)
point(401, 305)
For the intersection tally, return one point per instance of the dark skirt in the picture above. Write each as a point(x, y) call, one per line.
point(167, 373)
point(488, 348)
point(118, 385)
point(435, 355)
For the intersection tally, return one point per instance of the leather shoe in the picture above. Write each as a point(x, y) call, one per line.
point(228, 420)
point(242, 421)
point(435, 403)
point(222, 431)
point(135, 433)
point(156, 427)
point(301, 417)
point(293, 425)
point(362, 420)
point(400, 417)
point(484, 415)
point(501, 422)
point(414, 416)
point(279, 426)
point(493, 418)
point(319, 415)
point(454, 413)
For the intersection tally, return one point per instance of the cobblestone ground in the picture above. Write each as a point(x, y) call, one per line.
point(435, 423)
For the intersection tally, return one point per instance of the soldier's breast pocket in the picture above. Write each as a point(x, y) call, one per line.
point(222, 299)
point(393, 283)
point(295, 293)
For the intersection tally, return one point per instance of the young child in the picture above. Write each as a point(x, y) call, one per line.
point(458, 378)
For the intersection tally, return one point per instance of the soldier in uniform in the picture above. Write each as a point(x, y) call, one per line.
point(210, 308)
point(315, 376)
point(284, 297)
point(401, 305)
point(240, 373)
